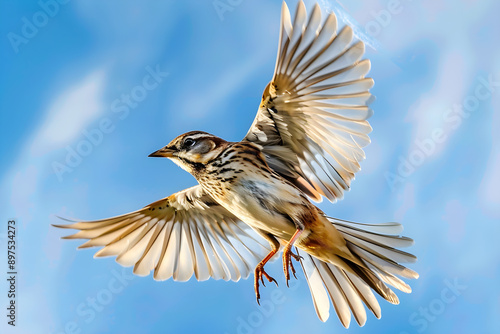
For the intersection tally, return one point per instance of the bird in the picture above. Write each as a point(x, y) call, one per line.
point(254, 198)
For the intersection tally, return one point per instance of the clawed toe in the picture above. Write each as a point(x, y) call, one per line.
point(297, 257)
point(288, 264)
point(259, 274)
point(288, 254)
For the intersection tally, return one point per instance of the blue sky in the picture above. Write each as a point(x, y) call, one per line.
point(77, 77)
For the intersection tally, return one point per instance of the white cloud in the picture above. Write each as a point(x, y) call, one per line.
point(426, 114)
point(209, 98)
point(488, 189)
point(456, 217)
point(70, 113)
point(344, 17)
point(407, 200)
point(24, 184)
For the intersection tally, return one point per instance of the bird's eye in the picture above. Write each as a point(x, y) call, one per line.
point(189, 142)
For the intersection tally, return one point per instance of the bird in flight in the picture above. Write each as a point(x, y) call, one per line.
point(253, 197)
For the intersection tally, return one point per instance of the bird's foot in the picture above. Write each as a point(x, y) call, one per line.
point(287, 263)
point(259, 274)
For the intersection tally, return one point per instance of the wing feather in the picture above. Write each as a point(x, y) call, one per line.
point(316, 106)
point(181, 235)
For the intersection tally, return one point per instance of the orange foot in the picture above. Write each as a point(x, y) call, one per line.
point(259, 273)
point(287, 256)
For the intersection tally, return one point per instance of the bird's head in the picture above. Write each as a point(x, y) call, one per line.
point(192, 150)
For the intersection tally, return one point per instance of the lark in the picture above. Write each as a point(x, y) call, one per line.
point(254, 197)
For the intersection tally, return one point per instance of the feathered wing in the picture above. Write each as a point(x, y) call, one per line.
point(312, 121)
point(377, 248)
point(185, 233)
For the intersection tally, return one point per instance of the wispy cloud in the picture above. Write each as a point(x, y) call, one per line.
point(428, 112)
point(345, 17)
point(70, 113)
point(65, 118)
point(222, 89)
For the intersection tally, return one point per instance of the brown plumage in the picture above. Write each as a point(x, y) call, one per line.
point(305, 143)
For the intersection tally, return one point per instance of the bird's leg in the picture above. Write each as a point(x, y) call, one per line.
point(259, 270)
point(288, 254)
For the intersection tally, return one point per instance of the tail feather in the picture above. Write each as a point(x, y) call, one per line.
point(382, 240)
point(391, 280)
point(390, 228)
point(349, 287)
point(380, 250)
point(315, 280)
point(350, 294)
point(373, 281)
point(382, 263)
point(366, 294)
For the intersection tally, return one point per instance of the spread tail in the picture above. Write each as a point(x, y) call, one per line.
point(375, 247)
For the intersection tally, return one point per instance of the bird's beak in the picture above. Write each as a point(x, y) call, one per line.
point(164, 152)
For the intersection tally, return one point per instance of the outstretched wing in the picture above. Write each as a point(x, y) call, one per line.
point(185, 233)
point(312, 121)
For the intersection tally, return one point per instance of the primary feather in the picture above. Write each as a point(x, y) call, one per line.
point(316, 106)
